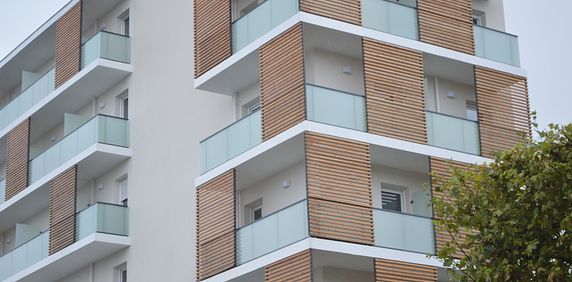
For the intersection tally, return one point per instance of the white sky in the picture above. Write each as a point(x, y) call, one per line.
point(545, 37)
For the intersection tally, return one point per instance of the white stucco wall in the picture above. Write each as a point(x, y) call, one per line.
point(325, 69)
point(415, 182)
point(494, 13)
point(456, 106)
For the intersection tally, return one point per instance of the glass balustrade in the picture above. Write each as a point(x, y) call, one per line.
point(24, 256)
point(2, 190)
point(100, 129)
point(496, 45)
point(105, 45)
point(453, 133)
point(403, 231)
point(390, 17)
point(335, 107)
point(231, 141)
point(272, 232)
point(103, 218)
point(261, 20)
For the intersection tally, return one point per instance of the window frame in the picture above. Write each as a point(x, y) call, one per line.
point(400, 192)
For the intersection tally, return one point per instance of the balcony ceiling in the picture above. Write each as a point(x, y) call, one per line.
point(448, 69)
point(399, 159)
point(333, 41)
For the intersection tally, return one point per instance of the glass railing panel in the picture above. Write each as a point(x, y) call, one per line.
point(27, 99)
point(403, 232)
point(335, 107)
point(496, 45)
point(2, 190)
point(390, 17)
point(105, 45)
point(100, 129)
point(261, 20)
point(453, 133)
point(24, 256)
point(103, 218)
point(231, 141)
point(273, 232)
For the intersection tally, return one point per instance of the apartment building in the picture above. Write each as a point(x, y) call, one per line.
point(241, 140)
point(344, 113)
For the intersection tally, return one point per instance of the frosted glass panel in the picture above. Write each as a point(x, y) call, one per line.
point(103, 218)
point(335, 108)
point(231, 141)
point(2, 190)
point(272, 232)
point(106, 45)
point(27, 99)
point(496, 45)
point(403, 231)
point(100, 129)
point(453, 133)
point(24, 256)
point(389, 17)
point(261, 20)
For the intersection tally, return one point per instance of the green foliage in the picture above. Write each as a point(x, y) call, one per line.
point(519, 208)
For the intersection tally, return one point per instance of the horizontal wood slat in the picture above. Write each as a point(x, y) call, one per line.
point(397, 271)
point(297, 268)
point(282, 83)
point(63, 192)
point(343, 10)
point(395, 101)
point(447, 23)
point(341, 222)
point(504, 110)
point(216, 225)
point(212, 34)
point(17, 154)
point(68, 45)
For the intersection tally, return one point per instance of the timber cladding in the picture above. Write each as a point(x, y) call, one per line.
point(395, 101)
point(397, 271)
point(297, 267)
point(343, 10)
point(216, 225)
point(447, 23)
point(212, 34)
point(17, 153)
point(63, 210)
point(282, 91)
point(503, 108)
point(68, 45)
point(338, 173)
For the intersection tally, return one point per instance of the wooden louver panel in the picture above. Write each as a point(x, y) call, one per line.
point(212, 34)
point(216, 225)
point(68, 45)
point(397, 271)
point(339, 189)
point(17, 154)
point(63, 210)
point(447, 23)
point(297, 267)
point(343, 10)
point(282, 83)
point(503, 107)
point(395, 101)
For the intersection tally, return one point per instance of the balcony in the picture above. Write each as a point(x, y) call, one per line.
point(335, 107)
point(272, 232)
point(103, 218)
point(261, 20)
point(231, 141)
point(453, 133)
point(25, 255)
point(403, 231)
point(2, 190)
point(106, 45)
point(496, 45)
point(398, 19)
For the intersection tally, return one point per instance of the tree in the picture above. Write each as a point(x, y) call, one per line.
point(517, 211)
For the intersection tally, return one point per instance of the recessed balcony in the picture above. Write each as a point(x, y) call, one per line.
point(496, 45)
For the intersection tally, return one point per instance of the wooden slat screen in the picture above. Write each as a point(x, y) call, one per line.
point(212, 34)
point(504, 111)
point(397, 271)
point(282, 83)
point(68, 45)
point(338, 173)
point(63, 210)
point(447, 23)
point(297, 268)
point(17, 154)
point(216, 225)
point(395, 100)
point(343, 10)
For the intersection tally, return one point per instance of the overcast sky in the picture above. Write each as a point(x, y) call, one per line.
point(543, 28)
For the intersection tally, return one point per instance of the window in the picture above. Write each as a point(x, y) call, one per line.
point(472, 110)
point(251, 107)
point(123, 105)
point(122, 273)
point(478, 18)
point(123, 191)
point(392, 197)
point(125, 24)
point(255, 213)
